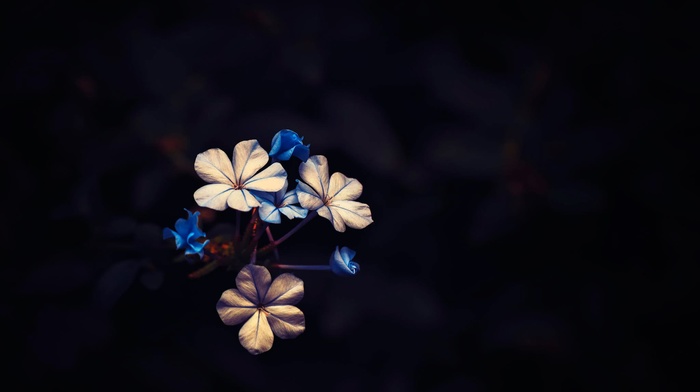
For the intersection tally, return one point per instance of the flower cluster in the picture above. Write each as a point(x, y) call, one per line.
point(255, 182)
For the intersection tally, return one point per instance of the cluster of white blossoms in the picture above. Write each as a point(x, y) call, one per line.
point(255, 182)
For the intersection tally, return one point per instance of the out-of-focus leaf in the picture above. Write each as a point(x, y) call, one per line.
point(114, 282)
point(576, 198)
point(171, 372)
point(56, 277)
point(152, 279)
point(493, 218)
point(465, 153)
point(363, 131)
point(62, 336)
point(148, 235)
point(147, 188)
point(119, 228)
point(469, 92)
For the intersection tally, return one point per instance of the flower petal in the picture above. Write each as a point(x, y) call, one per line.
point(347, 254)
point(314, 172)
point(344, 188)
point(271, 179)
point(242, 200)
point(170, 233)
point(355, 214)
point(269, 213)
point(253, 281)
point(333, 216)
point(234, 308)
point(308, 198)
point(289, 198)
point(213, 196)
point(292, 212)
point(255, 335)
point(214, 167)
point(248, 158)
point(286, 321)
point(341, 264)
point(286, 289)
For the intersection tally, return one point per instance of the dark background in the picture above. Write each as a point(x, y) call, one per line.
point(532, 192)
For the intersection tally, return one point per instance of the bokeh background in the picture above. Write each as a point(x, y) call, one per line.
point(531, 191)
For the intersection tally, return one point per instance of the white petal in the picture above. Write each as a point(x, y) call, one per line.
point(355, 214)
point(289, 198)
point(252, 282)
point(242, 200)
point(333, 216)
point(213, 196)
point(255, 335)
point(344, 188)
point(214, 166)
point(248, 158)
point(292, 212)
point(269, 180)
point(286, 289)
point(314, 172)
point(286, 321)
point(308, 198)
point(234, 308)
point(269, 213)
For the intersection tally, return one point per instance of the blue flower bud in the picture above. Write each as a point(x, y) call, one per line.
point(341, 262)
point(286, 143)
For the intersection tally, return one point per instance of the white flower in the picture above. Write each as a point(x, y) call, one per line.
point(265, 307)
point(333, 197)
point(230, 181)
point(274, 204)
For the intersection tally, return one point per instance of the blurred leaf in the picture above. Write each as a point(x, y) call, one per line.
point(493, 218)
point(148, 235)
point(56, 277)
point(147, 188)
point(114, 282)
point(469, 92)
point(576, 198)
point(119, 228)
point(465, 153)
point(152, 279)
point(363, 131)
point(171, 372)
point(61, 336)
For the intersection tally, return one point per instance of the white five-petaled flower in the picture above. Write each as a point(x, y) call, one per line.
point(333, 198)
point(230, 181)
point(274, 204)
point(265, 307)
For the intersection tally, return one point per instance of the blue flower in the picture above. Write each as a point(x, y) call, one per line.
point(286, 143)
point(272, 205)
point(186, 234)
point(341, 262)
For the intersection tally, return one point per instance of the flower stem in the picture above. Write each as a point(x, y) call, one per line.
point(237, 235)
point(252, 224)
point(272, 239)
point(302, 267)
point(209, 267)
point(272, 245)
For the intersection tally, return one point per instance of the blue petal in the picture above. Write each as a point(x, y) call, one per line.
point(286, 143)
point(169, 233)
point(343, 267)
point(347, 254)
point(302, 152)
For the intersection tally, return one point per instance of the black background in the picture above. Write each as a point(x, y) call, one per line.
point(532, 192)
